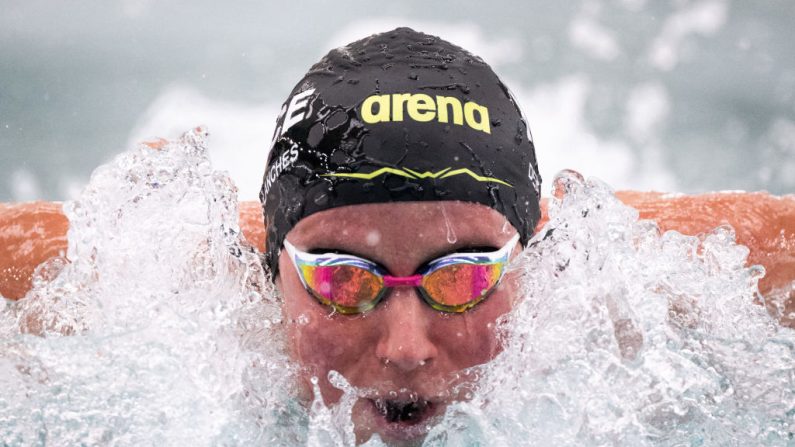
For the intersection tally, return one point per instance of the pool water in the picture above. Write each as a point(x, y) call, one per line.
point(158, 333)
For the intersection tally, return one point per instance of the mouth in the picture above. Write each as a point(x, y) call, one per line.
point(404, 412)
point(403, 419)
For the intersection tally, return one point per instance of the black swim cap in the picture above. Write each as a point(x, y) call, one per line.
point(398, 116)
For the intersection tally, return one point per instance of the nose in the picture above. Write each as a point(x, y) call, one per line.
point(405, 341)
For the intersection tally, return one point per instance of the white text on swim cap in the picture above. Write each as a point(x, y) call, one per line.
point(278, 165)
point(293, 111)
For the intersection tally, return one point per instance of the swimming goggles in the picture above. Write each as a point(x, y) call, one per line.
point(350, 284)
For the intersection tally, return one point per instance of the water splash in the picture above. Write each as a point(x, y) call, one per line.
point(151, 332)
point(156, 333)
point(332, 426)
point(629, 337)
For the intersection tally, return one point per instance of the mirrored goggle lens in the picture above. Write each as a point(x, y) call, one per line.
point(349, 289)
point(457, 287)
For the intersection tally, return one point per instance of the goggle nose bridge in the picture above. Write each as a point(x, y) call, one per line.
point(402, 281)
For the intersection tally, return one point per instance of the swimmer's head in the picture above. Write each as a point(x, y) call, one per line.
point(400, 178)
point(400, 116)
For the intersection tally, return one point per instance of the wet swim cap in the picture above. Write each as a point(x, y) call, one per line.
point(398, 116)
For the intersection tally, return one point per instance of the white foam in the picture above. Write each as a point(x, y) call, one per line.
point(24, 185)
point(588, 35)
point(647, 109)
point(241, 132)
point(778, 150)
point(704, 17)
point(564, 138)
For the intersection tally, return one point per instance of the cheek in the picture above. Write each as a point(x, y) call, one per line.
point(474, 339)
point(321, 343)
point(318, 341)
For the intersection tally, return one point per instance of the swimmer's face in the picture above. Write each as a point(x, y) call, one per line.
point(403, 352)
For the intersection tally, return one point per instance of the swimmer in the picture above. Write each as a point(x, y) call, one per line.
point(400, 183)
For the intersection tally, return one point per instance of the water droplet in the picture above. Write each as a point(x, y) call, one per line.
point(373, 238)
point(321, 199)
point(440, 192)
point(451, 237)
point(565, 182)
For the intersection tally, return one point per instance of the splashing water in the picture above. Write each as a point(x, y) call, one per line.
point(155, 332)
point(627, 337)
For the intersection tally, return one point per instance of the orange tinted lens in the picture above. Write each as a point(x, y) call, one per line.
point(344, 286)
point(459, 285)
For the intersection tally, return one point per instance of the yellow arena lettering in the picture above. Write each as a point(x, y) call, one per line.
point(424, 108)
point(469, 112)
point(383, 109)
point(442, 104)
point(397, 105)
point(421, 108)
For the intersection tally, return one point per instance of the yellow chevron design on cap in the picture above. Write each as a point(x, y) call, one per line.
point(371, 175)
point(427, 174)
point(409, 173)
point(479, 178)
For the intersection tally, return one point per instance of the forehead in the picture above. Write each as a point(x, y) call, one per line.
point(409, 231)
